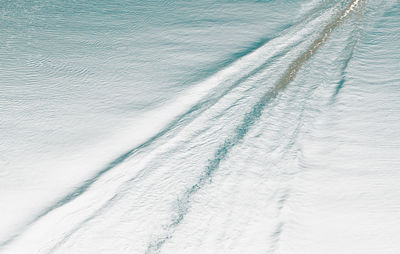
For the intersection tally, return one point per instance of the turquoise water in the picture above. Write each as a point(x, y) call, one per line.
point(199, 126)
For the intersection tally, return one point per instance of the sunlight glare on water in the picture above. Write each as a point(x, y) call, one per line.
point(199, 126)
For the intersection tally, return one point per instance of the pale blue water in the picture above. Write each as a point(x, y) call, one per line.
point(74, 71)
point(199, 126)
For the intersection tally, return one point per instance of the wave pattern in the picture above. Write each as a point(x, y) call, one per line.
point(153, 187)
point(249, 120)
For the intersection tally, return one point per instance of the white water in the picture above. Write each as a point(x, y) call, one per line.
point(227, 167)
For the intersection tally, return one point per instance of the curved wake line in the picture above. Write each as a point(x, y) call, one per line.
point(342, 80)
point(249, 120)
point(348, 55)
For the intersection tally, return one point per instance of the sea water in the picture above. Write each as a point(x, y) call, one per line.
point(199, 126)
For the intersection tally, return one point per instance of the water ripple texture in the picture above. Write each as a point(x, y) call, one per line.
point(199, 127)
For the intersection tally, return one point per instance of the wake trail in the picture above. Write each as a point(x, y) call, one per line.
point(224, 76)
point(249, 120)
point(210, 93)
point(145, 171)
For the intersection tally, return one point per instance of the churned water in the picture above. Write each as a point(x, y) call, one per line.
point(200, 126)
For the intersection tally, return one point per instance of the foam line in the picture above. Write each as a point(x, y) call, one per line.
point(249, 120)
point(187, 107)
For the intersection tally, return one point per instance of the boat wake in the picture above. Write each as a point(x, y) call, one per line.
point(151, 190)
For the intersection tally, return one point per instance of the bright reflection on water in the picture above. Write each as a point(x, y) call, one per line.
point(199, 126)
